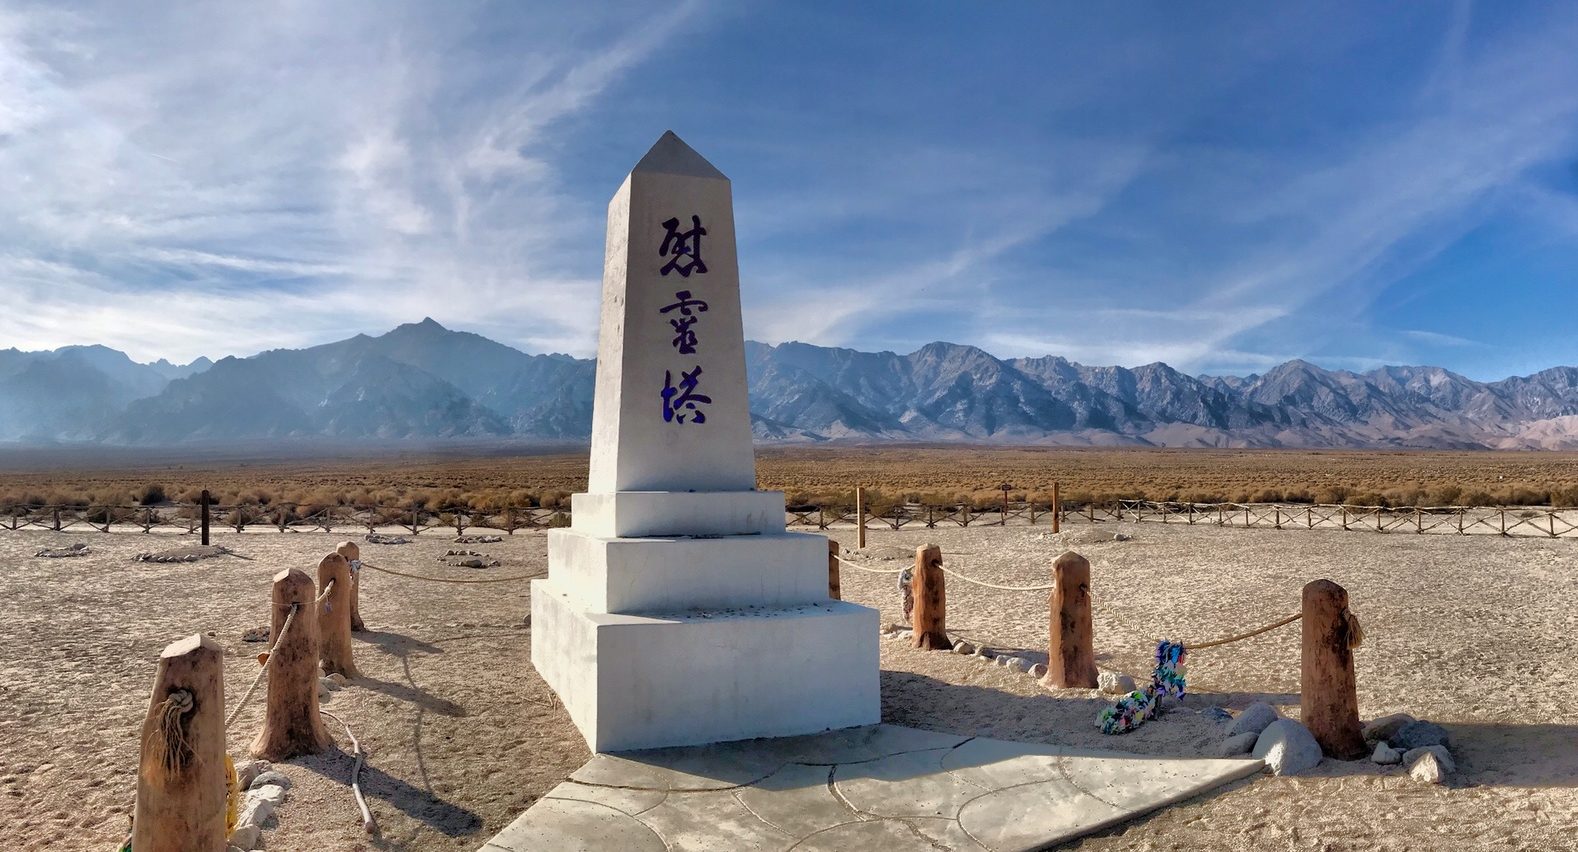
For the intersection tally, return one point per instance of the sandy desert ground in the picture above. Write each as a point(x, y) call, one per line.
point(1475, 633)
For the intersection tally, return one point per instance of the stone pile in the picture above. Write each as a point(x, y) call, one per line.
point(468, 559)
point(380, 538)
point(185, 554)
point(78, 549)
point(479, 539)
point(1288, 748)
point(1423, 748)
point(265, 792)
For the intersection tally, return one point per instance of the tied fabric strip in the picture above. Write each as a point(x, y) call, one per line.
point(1134, 709)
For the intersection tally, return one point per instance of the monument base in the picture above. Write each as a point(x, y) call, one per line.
point(702, 676)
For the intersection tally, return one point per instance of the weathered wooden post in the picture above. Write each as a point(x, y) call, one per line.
point(1057, 510)
point(353, 558)
point(1329, 698)
point(929, 618)
point(334, 616)
point(833, 590)
point(1071, 650)
point(860, 518)
point(181, 796)
point(291, 724)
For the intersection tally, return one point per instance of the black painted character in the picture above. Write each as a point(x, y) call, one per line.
point(685, 245)
point(680, 402)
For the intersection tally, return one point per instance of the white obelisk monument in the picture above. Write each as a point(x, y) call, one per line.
point(677, 609)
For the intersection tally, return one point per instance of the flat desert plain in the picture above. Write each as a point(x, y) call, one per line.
point(1473, 632)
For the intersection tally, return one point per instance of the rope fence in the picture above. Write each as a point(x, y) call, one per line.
point(188, 518)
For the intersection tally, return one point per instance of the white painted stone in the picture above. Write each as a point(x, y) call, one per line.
point(677, 609)
point(245, 836)
point(1385, 755)
point(641, 514)
point(633, 448)
point(632, 575)
point(699, 676)
point(271, 793)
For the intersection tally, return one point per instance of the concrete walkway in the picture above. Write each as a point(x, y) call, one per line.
point(875, 788)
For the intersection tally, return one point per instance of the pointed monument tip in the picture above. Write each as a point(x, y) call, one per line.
point(671, 156)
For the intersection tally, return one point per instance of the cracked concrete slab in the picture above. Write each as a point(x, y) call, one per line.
point(877, 788)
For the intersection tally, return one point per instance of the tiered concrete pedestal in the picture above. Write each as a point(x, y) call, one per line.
point(654, 639)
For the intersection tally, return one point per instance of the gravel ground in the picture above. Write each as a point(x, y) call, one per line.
point(463, 735)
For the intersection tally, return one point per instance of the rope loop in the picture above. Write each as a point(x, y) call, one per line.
point(175, 750)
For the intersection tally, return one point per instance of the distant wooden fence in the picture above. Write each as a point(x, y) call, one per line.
point(1548, 522)
point(281, 517)
point(1540, 521)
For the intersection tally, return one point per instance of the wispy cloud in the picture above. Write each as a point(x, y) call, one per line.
point(234, 179)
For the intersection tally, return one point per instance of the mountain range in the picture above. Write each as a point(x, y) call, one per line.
point(422, 381)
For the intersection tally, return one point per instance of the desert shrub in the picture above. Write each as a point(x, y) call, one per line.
point(151, 495)
point(1266, 495)
point(1478, 497)
point(558, 520)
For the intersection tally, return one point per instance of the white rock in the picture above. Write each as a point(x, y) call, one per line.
point(1001, 659)
point(1255, 718)
point(1385, 755)
point(270, 776)
point(1427, 767)
point(1287, 747)
point(1039, 670)
point(271, 793)
point(963, 648)
point(255, 812)
point(246, 836)
point(1114, 683)
point(247, 771)
point(1018, 664)
point(330, 685)
point(1438, 754)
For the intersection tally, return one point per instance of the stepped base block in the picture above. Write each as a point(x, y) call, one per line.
point(637, 514)
point(702, 676)
point(635, 575)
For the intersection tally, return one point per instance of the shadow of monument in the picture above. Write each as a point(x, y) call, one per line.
point(443, 816)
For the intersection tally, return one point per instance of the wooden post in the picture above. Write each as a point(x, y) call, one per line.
point(353, 559)
point(929, 619)
point(1329, 698)
point(291, 724)
point(1071, 650)
point(833, 590)
point(181, 798)
point(334, 616)
point(860, 518)
point(1057, 511)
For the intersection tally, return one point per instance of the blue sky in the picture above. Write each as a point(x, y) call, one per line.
point(1221, 187)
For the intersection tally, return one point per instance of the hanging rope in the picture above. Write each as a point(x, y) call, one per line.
point(1195, 646)
point(1355, 632)
point(982, 583)
point(448, 580)
point(263, 670)
point(858, 567)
